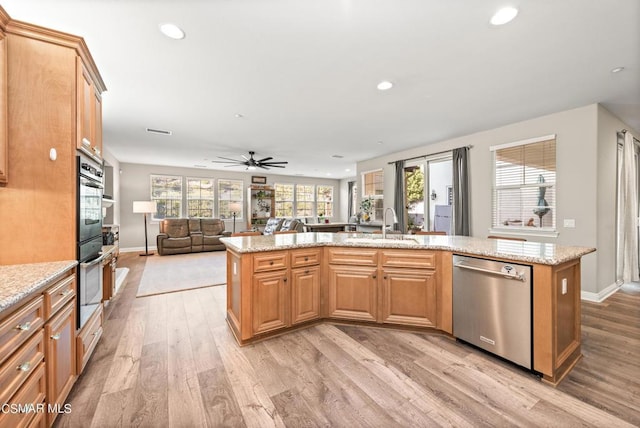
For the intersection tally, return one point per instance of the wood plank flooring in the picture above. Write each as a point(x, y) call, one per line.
point(170, 361)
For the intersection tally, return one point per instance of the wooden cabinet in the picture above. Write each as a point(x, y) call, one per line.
point(409, 287)
point(305, 285)
point(4, 143)
point(353, 292)
point(60, 338)
point(88, 338)
point(89, 112)
point(109, 277)
point(261, 201)
point(48, 73)
point(37, 351)
point(269, 296)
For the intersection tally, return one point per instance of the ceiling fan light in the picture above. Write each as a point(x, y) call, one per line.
point(251, 168)
point(172, 31)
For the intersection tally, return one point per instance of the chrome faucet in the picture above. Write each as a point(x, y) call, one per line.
point(384, 221)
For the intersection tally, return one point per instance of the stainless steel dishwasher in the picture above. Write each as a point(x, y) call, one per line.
point(492, 307)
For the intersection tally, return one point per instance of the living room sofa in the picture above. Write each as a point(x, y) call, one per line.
point(182, 235)
point(275, 224)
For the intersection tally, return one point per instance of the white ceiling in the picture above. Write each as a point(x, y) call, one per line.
point(303, 73)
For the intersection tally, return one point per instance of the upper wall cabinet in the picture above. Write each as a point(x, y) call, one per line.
point(53, 93)
point(89, 111)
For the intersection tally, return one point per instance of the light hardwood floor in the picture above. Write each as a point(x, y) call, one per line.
point(170, 360)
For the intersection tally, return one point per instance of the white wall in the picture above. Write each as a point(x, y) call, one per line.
point(584, 182)
point(135, 186)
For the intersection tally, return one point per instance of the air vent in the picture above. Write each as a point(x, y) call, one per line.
point(200, 166)
point(337, 156)
point(158, 131)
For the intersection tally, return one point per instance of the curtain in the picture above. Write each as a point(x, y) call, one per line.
point(399, 197)
point(629, 212)
point(350, 210)
point(461, 191)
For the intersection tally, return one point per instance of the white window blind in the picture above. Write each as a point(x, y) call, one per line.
point(284, 200)
point(524, 192)
point(166, 191)
point(200, 197)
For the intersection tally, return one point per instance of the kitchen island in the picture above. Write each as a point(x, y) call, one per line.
point(282, 282)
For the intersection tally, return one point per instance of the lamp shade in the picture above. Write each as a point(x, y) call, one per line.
point(235, 207)
point(144, 206)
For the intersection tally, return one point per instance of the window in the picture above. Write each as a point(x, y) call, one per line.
point(200, 197)
point(166, 191)
point(304, 200)
point(230, 198)
point(524, 193)
point(284, 200)
point(373, 189)
point(324, 204)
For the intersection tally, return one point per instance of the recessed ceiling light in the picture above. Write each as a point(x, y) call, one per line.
point(379, 142)
point(385, 85)
point(200, 166)
point(504, 15)
point(158, 131)
point(328, 173)
point(172, 31)
point(617, 69)
point(337, 156)
point(347, 170)
point(239, 116)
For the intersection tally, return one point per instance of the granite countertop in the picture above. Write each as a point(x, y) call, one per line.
point(528, 251)
point(20, 281)
point(107, 249)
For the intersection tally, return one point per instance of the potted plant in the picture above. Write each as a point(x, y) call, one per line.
point(365, 208)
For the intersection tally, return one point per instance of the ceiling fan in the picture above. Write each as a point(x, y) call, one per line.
point(252, 163)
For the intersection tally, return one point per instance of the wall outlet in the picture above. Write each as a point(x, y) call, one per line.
point(569, 222)
point(564, 285)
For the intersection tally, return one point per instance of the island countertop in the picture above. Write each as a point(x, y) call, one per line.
point(527, 251)
point(20, 281)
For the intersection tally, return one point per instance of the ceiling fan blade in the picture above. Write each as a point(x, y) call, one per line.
point(275, 163)
point(276, 166)
point(229, 159)
point(234, 162)
point(265, 159)
point(262, 166)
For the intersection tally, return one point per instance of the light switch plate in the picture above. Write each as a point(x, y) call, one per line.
point(569, 222)
point(564, 285)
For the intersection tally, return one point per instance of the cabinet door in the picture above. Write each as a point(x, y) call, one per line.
point(353, 292)
point(409, 297)
point(96, 119)
point(305, 294)
point(60, 357)
point(85, 107)
point(4, 145)
point(269, 301)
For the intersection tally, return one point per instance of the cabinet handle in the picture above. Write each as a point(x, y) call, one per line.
point(66, 292)
point(306, 272)
point(375, 276)
point(384, 277)
point(271, 262)
point(95, 333)
point(285, 280)
point(306, 259)
point(24, 367)
point(56, 336)
point(24, 327)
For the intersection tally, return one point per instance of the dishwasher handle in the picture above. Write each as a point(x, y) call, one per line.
point(515, 275)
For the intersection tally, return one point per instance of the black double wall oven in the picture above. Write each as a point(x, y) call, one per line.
point(90, 187)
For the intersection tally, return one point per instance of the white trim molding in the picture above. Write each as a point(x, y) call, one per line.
point(600, 296)
point(137, 249)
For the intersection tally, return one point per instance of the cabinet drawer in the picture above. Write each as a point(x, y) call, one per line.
point(409, 259)
point(20, 365)
point(305, 257)
point(264, 262)
point(353, 256)
point(88, 339)
point(56, 296)
point(31, 393)
point(16, 329)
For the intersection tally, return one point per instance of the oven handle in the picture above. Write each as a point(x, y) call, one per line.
point(92, 262)
point(89, 183)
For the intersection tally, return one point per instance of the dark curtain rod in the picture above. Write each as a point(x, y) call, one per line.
point(430, 154)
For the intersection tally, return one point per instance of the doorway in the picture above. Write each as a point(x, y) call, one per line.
point(622, 205)
point(429, 194)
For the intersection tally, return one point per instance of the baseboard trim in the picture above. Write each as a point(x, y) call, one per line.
point(600, 296)
point(137, 249)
